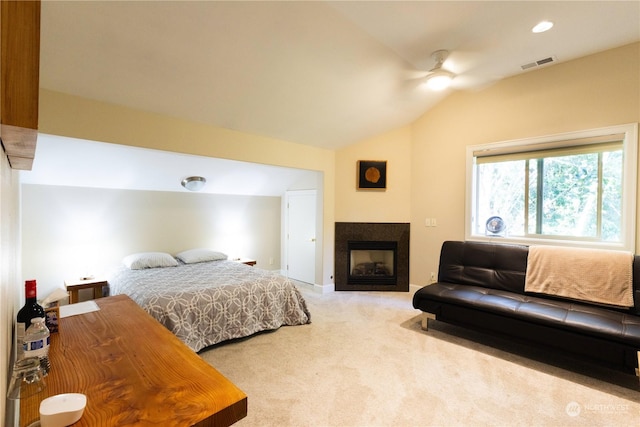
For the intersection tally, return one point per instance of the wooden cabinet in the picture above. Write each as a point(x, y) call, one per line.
point(19, 80)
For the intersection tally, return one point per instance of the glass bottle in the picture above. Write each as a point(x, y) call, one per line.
point(31, 309)
point(36, 343)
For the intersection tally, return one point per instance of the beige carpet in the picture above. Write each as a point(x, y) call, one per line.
point(364, 361)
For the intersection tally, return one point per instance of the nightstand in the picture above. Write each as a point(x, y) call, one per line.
point(247, 261)
point(73, 286)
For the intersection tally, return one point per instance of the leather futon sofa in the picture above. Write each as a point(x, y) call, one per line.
point(482, 286)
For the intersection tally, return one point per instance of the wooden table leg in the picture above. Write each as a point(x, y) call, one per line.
point(73, 296)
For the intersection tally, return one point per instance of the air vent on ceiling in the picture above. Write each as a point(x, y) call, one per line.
point(539, 63)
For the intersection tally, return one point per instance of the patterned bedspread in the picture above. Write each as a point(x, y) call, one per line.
point(210, 302)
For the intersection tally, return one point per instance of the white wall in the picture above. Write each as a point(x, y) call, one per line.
point(72, 231)
point(10, 282)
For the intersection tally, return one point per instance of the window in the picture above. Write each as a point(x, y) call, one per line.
point(577, 188)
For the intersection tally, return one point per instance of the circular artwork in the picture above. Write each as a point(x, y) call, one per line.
point(372, 174)
point(495, 225)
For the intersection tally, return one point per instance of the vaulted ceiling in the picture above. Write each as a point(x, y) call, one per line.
point(321, 73)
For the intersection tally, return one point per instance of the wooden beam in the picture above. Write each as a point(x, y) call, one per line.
point(19, 80)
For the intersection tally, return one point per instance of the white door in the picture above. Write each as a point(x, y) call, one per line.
point(300, 239)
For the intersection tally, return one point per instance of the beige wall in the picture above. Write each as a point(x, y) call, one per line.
point(391, 205)
point(595, 91)
point(10, 284)
point(67, 115)
point(426, 160)
point(70, 231)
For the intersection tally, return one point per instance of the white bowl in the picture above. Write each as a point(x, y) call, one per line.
point(62, 409)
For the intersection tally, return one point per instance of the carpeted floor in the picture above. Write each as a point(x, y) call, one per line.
point(364, 361)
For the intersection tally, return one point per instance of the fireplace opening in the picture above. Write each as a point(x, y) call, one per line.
point(372, 262)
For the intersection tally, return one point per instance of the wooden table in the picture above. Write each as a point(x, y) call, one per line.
point(134, 372)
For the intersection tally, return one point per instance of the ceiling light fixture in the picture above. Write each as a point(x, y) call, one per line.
point(194, 183)
point(439, 78)
point(542, 26)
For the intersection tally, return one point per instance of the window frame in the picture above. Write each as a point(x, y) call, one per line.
point(568, 139)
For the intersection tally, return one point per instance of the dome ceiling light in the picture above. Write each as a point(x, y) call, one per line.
point(439, 78)
point(194, 183)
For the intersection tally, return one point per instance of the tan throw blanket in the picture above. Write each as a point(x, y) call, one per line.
point(593, 275)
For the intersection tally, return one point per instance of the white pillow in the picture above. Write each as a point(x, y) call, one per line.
point(143, 260)
point(200, 255)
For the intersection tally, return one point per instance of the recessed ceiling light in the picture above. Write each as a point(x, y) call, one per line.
point(542, 26)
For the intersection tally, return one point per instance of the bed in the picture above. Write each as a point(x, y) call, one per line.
point(207, 302)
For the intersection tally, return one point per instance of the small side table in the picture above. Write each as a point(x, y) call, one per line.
point(73, 286)
point(247, 261)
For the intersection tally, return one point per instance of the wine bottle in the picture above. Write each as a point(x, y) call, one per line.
point(30, 310)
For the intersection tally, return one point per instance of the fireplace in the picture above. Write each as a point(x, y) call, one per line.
point(372, 256)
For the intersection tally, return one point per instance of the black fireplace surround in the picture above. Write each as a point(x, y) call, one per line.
point(372, 256)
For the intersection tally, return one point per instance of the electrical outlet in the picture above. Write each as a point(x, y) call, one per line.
point(433, 277)
point(270, 261)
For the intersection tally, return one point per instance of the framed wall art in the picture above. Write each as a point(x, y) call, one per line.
point(372, 174)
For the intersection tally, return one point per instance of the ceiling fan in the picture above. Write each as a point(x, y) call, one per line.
point(439, 78)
